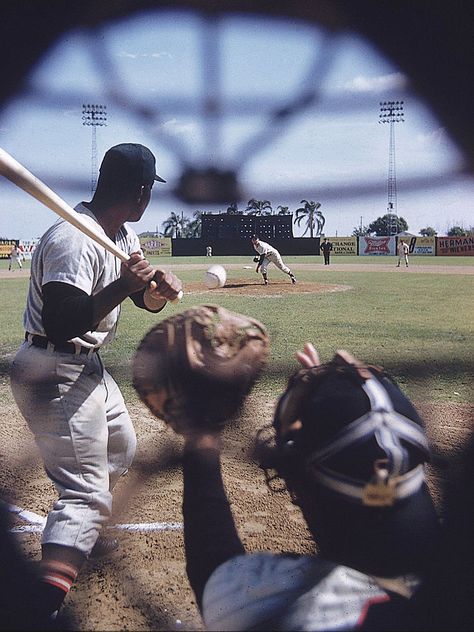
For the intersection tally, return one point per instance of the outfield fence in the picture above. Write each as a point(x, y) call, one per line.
point(363, 246)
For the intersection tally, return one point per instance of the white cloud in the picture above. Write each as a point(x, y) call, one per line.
point(395, 80)
point(434, 138)
point(173, 126)
point(127, 55)
point(71, 113)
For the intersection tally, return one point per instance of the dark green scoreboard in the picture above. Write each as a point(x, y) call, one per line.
point(267, 227)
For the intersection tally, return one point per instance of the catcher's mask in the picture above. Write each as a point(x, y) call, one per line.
point(348, 428)
point(351, 446)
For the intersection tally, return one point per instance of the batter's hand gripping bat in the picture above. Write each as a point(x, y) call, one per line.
point(24, 179)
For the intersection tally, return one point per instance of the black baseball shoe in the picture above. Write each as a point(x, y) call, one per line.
point(293, 280)
point(104, 546)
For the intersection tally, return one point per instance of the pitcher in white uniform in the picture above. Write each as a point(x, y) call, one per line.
point(269, 254)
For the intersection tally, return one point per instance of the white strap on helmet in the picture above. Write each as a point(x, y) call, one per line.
point(388, 427)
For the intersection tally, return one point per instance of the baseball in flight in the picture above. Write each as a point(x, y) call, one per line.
point(215, 277)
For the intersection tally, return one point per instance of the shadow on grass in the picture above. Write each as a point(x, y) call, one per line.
point(237, 285)
point(416, 369)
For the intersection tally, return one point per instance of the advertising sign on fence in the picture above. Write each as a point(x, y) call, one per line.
point(6, 246)
point(376, 246)
point(421, 245)
point(156, 246)
point(27, 247)
point(343, 245)
point(455, 246)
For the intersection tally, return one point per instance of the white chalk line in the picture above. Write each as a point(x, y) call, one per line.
point(36, 522)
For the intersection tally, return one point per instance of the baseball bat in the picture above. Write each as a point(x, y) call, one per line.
point(24, 179)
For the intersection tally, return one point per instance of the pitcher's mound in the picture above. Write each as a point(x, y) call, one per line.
point(244, 287)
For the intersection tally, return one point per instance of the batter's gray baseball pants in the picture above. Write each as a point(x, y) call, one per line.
point(84, 433)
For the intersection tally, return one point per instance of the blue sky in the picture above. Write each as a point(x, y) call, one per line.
point(333, 152)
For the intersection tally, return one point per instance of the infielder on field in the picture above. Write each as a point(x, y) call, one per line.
point(15, 255)
point(71, 404)
point(403, 250)
point(269, 254)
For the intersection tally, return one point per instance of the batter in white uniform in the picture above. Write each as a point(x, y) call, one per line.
point(72, 405)
point(269, 254)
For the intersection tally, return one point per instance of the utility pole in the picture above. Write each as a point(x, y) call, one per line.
point(391, 112)
point(94, 116)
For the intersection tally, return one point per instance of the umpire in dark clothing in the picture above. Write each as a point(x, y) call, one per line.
point(350, 449)
point(326, 248)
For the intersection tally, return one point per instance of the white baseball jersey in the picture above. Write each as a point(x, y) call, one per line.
point(268, 591)
point(66, 255)
point(272, 255)
point(265, 249)
point(16, 254)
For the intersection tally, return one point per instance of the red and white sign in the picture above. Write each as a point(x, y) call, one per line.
point(27, 247)
point(376, 246)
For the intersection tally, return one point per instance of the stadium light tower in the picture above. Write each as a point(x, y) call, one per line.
point(391, 112)
point(94, 116)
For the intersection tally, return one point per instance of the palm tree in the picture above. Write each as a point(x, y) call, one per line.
point(284, 210)
point(233, 210)
point(314, 219)
point(174, 225)
point(259, 207)
point(360, 231)
point(193, 228)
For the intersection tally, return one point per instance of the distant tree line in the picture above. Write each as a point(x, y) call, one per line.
point(307, 215)
point(392, 224)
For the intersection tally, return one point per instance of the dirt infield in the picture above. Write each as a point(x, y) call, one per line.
point(419, 268)
point(256, 288)
point(144, 585)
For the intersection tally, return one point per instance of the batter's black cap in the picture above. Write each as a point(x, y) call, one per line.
point(130, 162)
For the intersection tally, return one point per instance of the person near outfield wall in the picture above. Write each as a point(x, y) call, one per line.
point(16, 255)
point(403, 251)
point(326, 248)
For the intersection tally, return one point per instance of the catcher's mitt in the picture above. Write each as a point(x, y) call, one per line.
point(194, 369)
point(256, 259)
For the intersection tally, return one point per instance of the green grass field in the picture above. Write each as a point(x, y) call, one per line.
point(414, 260)
point(418, 326)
